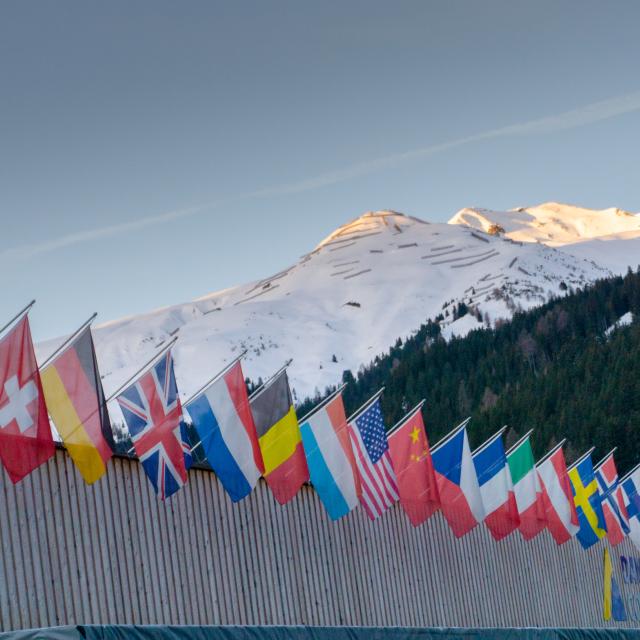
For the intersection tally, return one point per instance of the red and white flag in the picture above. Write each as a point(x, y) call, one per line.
point(25, 432)
point(557, 496)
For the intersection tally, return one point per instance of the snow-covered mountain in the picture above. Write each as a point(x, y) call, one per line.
point(375, 279)
point(609, 237)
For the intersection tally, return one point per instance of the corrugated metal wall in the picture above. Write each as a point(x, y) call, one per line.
point(113, 553)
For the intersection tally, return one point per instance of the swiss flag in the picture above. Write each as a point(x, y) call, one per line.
point(25, 433)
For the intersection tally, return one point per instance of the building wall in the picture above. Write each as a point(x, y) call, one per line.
point(113, 553)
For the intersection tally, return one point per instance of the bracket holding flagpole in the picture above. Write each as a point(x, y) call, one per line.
point(69, 340)
point(18, 315)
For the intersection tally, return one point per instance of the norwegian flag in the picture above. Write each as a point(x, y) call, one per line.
point(153, 413)
point(378, 479)
point(615, 512)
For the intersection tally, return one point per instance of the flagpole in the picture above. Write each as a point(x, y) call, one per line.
point(597, 466)
point(406, 417)
point(217, 376)
point(581, 458)
point(550, 453)
point(322, 403)
point(626, 475)
point(519, 442)
point(20, 313)
point(450, 435)
point(265, 385)
point(141, 369)
point(68, 341)
point(486, 443)
point(366, 405)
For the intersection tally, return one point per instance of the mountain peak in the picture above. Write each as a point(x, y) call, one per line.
point(552, 223)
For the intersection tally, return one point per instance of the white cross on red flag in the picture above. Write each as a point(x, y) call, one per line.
point(25, 432)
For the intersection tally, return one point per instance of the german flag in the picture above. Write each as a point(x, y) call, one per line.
point(75, 401)
point(285, 465)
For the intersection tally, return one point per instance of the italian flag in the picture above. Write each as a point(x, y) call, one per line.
point(527, 488)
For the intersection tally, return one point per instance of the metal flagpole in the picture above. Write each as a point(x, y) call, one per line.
point(20, 313)
point(217, 376)
point(581, 458)
point(406, 417)
point(266, 384)
point(366, 405)
point(486, 443)
point(547, 455)
point(141, 369)
point(450, 435)
point(626, 475)
point(323, 403)
point(597, 466)
point(519, 442)
point(68, 341)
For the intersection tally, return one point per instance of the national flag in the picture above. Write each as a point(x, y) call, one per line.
point(285, 467)
point(557, 496)
point(615, 513)
point(25, 432)
point(458, 488)
point(75, 401)
point(631, 496)
point(369, 441)
point(613, 602)
point(331, 461)
point(153, 413)
point(527, 488)
point(222, 417)
point(496, 488)
point(411, 460)
point(588, 502)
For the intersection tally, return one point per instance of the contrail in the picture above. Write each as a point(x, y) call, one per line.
point(589, 114)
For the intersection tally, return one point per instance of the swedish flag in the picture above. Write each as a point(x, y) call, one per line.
point(588, 501)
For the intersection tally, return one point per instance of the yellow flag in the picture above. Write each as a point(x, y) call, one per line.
point(607, 585)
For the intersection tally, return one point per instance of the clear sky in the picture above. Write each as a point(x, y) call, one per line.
point(154, 151)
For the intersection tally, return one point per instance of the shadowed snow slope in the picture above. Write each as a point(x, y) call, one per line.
point(371, 281)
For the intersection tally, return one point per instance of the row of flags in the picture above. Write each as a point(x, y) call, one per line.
point(350, 462)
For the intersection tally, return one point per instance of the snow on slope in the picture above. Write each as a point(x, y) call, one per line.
point(609, 237)
point(373, 280)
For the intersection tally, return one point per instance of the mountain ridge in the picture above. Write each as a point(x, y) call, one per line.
point(373, 280)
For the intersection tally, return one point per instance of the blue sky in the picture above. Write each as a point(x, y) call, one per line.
point(152, 152)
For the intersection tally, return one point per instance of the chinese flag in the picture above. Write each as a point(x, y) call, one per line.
point(412, 463)
point(25, 433)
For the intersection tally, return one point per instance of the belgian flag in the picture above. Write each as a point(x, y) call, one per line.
point(285, 465)
point(76, 404)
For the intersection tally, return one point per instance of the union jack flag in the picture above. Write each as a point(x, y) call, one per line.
point(153, 413)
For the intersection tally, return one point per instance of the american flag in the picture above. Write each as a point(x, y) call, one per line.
point(153, 413)
point(369, 441)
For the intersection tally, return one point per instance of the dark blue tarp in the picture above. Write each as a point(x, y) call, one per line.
point(160, 632)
